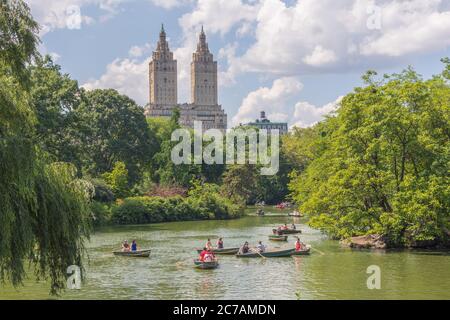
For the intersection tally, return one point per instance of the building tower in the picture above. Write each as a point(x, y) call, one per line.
point(203, 75)
point(163, 75)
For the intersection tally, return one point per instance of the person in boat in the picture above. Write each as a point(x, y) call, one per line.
point(285, 227)
point(293, 227)
point(260, 247)
point(202, 254)
point(299, 246)
point(209, 245)
point(125, 246)
point(209, 256)
point(244, 249)
point(220, 243)
point(134, 246)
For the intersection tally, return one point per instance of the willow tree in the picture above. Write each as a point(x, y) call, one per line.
point(43, 209)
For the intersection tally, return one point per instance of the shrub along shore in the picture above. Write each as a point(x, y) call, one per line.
point(202, 203)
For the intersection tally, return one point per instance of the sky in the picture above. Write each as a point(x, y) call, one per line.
point(294, 59)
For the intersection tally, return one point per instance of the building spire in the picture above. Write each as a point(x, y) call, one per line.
point(202, 44)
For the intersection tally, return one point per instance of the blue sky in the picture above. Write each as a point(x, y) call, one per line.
point(293, 59)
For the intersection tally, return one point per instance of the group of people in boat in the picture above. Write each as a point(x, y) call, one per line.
point(207, 254)
point(280, 229)
point(126, 247)
point(260, 247)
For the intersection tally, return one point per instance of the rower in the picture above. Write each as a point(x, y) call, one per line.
point(202, 254)
point(209, 244)
point(209, 256)
point(294, 227)
point(134, 246)
point(220, 243)
point(260, 247)
point(244, 249)
point(125, 246)
point(298, 245)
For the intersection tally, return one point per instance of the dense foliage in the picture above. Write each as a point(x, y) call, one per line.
point(116, 130)
point(382, 164)
point(44, 209)
point(204, 202)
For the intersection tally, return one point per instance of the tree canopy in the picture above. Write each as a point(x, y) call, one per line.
point(382, 164)
point(44, 209)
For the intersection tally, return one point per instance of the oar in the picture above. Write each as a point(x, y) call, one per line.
point(318, 251)
point(256, 251)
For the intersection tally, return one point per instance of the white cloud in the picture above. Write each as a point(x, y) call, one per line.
point(68, 14)
point(139, 51)
point(320, 56)
point(273, 100)
point(128, 76)
point(218, 16)
point(170, 4)
point(312, 36)
point(306, 114)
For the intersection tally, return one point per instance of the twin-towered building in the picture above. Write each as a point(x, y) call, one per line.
point(204, 88)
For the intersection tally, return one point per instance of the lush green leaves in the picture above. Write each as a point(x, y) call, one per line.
point(381, 165)
point(115, 130)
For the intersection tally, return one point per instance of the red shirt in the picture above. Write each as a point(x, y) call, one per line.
point(298, 246)
point(202, 255)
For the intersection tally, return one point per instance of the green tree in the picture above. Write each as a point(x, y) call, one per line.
point(117, 179)
point(381, 165)
point(164, 171)
point(115, 130)
point(44, 210)
point(55, 97)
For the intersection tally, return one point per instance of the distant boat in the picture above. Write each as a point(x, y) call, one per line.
point(286, 231)
point(134, 254)
point(283, 205)
point(295, 214)
point(275, 237)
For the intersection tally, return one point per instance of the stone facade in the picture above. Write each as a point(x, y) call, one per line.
point(163, 74)
point(264, 123)
point(204, 88)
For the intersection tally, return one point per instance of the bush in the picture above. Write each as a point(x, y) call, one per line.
point(198, 206)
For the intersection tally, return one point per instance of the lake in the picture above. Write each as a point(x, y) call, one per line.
point(330, 272)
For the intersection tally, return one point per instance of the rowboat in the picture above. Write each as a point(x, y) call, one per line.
point(206, 265)
point(295, 214)
point(268, 254)
point(275, 237)
point(302, 252)
point(286, 231)
point(222, 251)
point(134, 254)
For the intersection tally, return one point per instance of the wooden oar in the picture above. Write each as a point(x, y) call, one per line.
point(256, 251)
point(318, 251)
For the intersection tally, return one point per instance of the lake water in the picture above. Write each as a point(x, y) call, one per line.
point(330, 272)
